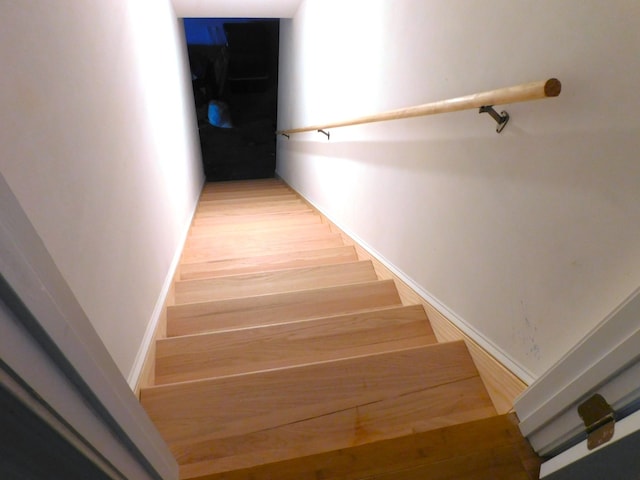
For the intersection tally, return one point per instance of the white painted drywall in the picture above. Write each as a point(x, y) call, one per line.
point(236, 8)
point(528, 238)
point(99, 145)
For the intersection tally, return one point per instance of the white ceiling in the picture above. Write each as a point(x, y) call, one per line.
point(236, 8)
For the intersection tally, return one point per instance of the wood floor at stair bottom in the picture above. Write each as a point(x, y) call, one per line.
point(203, 317)
point(244, 420)
point(245, 350)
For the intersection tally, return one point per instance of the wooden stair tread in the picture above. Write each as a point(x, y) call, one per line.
point(222, 201)
point(239, 404)
point(445, 405)
point(274, 346)
point(319, 407)
point(288, 234)
point(205, 209)
point(196, 255)
point(278, 308)
point(247, 218)
point(243, 185)
point(279, 281)
point(445, 452)
point(257, 223)
point(262, 263)
point(250, 185)
point(268, 229)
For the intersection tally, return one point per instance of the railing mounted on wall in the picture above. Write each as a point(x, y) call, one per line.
point(483, 101)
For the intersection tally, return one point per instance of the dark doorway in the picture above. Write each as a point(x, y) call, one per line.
point(234, 70)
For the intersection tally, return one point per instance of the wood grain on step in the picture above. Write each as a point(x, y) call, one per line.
point(277, 308)
point(213, 207)
point(251, 185)
point(247, 218)
point(239, 195)
point(253, 225)
point(241, 404)
point(279, 281)
point(244, 185)
point(243, 200)
point(448, 446)
point(341, 429)
point(251, 209)
point(265, 263)
point(275, 346)
point(271, 235)
point(250, 248)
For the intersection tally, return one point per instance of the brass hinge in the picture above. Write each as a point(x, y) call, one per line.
point(599, 420)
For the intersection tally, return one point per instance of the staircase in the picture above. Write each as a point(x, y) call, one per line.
point(287, 358)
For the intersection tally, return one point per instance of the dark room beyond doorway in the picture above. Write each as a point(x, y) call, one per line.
point(234, 71)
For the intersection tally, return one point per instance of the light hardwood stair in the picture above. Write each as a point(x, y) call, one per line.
point(286, 357)
point(201, 317)
point(278, 281)
point(276, 245)
point(266, 347)
point(282, 261)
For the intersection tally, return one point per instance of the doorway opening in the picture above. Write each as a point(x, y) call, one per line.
point(234, 72)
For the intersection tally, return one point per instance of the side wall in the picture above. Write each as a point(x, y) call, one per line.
point(526, 240)
point(99, 145)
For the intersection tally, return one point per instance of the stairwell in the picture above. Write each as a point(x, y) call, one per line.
point(286, 357)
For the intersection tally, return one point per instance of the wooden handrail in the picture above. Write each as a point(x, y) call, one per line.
point(518, 93)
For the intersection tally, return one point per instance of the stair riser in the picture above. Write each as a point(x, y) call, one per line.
point(250, 218)
point(244, 189)
point(244, 239)
point(229, 406)
point(447, 445)
point(339, 430)
point(257, 224)
point(244, 200)
point(237, 286)
point(241, 242)
point(277, 207)
point(212, 209)
point(222, 253)
point(261, 348)
point(271, 309)
point(267, 263)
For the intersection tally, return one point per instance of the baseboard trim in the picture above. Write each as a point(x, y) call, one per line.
point(142, 369)
point(504, 378)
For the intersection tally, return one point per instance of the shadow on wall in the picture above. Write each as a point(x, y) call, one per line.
point(435, 156)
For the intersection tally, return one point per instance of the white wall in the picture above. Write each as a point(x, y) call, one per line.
point(528, 238)
point(236, 8)
point(99, 144)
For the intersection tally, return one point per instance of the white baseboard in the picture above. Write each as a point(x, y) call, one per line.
point(149, 334)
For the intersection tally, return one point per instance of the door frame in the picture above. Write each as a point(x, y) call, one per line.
point(49, 343)
point(606, 361)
